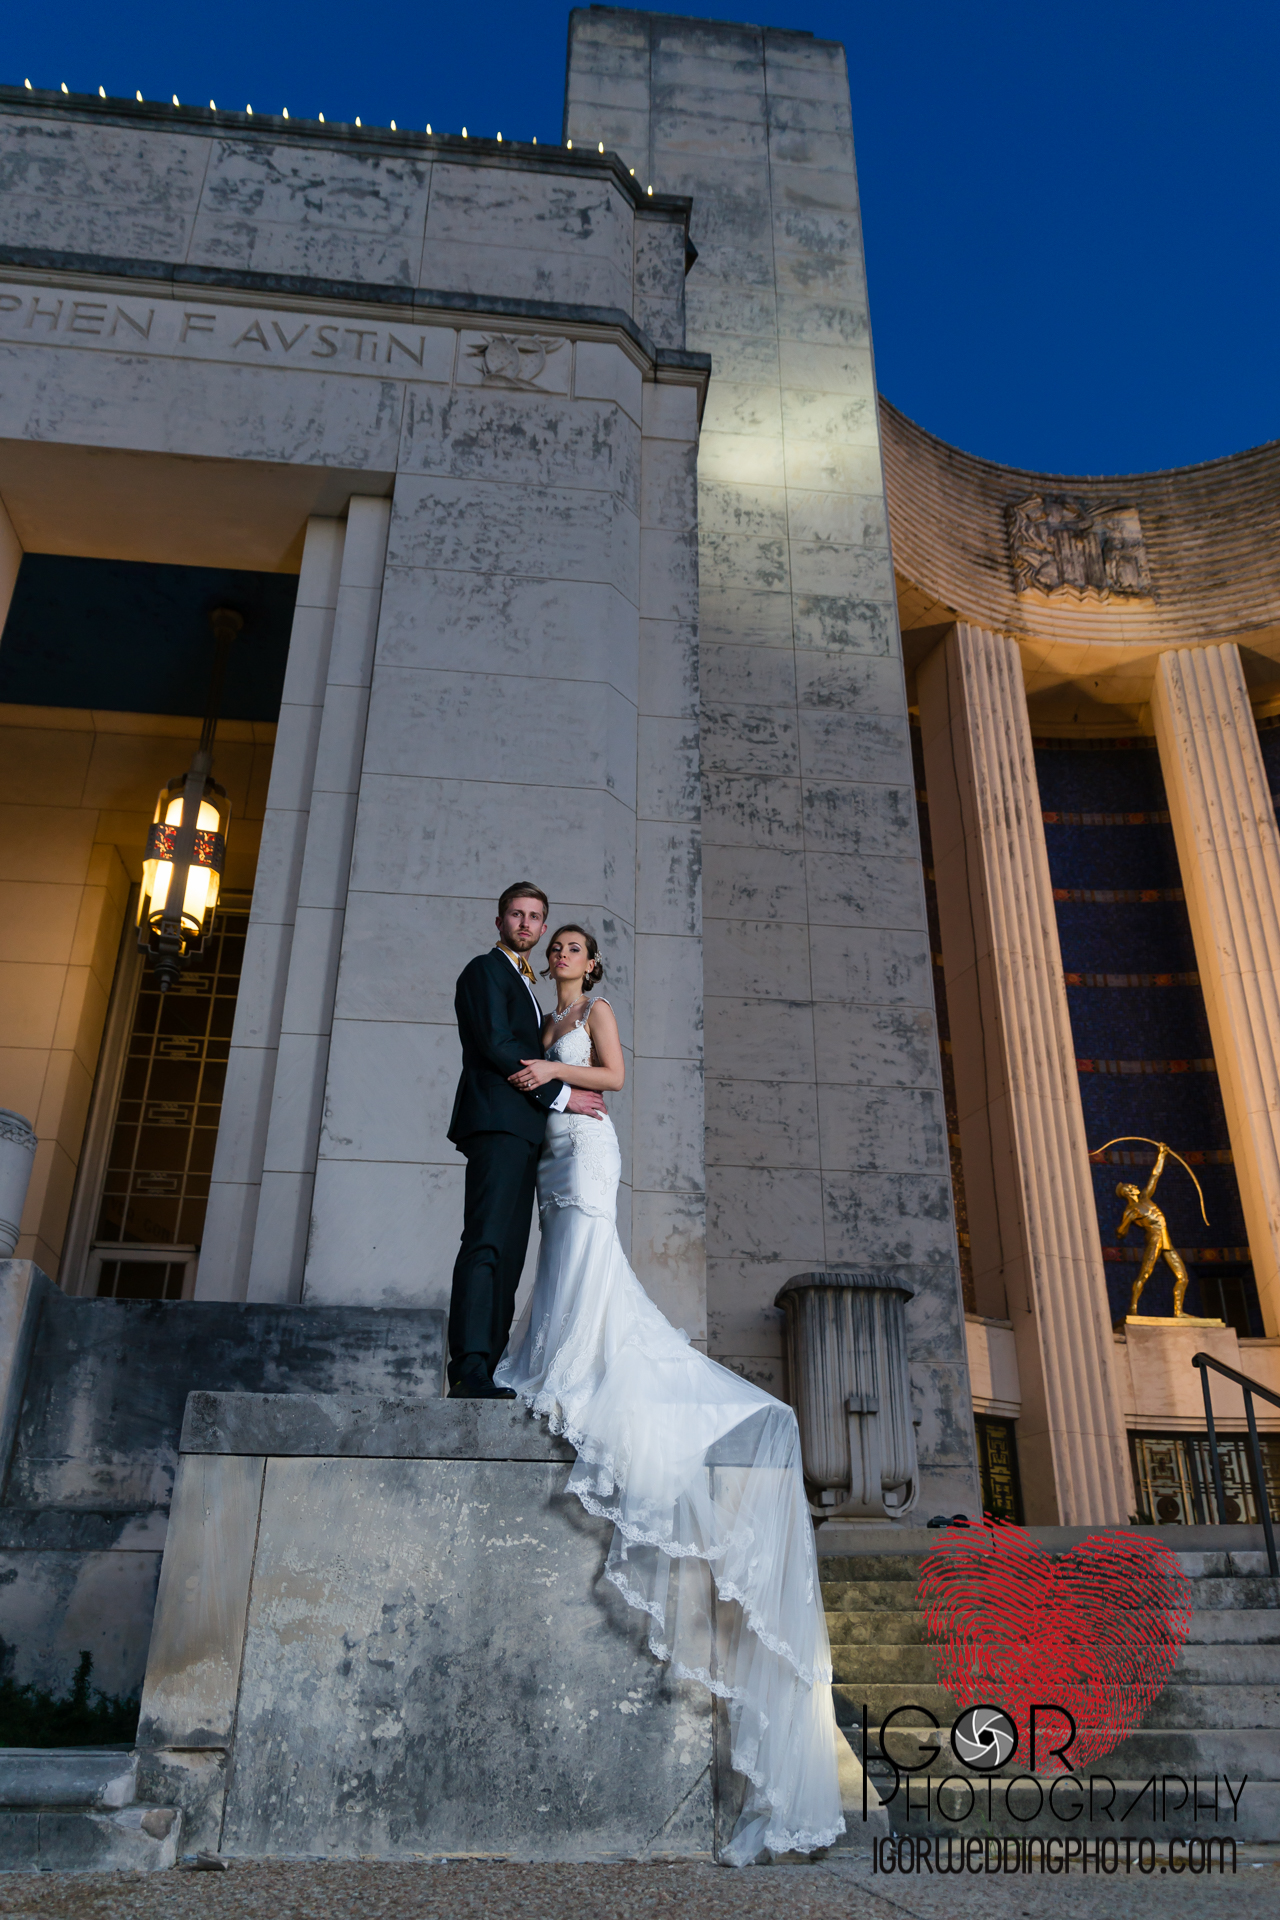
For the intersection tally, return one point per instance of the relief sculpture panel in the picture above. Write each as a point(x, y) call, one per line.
point(1061, 544)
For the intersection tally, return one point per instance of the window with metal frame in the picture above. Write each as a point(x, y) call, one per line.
point(1173, 1478)
point(152, 1191)
point(998, 1467)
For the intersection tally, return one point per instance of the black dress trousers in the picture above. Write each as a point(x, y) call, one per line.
point(497, 1213)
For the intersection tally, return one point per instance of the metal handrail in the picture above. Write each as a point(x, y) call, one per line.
point(1248, 1387)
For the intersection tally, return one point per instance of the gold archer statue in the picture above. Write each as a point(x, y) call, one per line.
point(1140, 1210)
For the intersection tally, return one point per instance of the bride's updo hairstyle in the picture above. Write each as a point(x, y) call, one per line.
point(595, 970)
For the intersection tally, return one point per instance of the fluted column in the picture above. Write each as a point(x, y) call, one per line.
point(1033, 1227)
point(1224, 826)
point(306, 1021)
point(236, 1185)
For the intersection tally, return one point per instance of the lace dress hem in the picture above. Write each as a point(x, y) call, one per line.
point(699, 1474)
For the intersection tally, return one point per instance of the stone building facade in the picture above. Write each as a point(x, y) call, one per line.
point(611, 571)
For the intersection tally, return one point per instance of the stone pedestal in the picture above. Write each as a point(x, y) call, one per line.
point(847, 1364)
point(1224, 826)
point(1164, 1391)
point(391, 1622)
point(1037, 1255)
point(17, 1157)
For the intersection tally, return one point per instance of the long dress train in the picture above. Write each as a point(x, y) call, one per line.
point(700, 1473)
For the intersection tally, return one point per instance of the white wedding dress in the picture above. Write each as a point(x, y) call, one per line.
point(700, 1473)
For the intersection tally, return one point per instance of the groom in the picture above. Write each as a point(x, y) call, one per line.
point(500, 1131)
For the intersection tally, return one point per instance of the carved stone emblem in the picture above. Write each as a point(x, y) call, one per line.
point(1060, 544)
point(513, 359)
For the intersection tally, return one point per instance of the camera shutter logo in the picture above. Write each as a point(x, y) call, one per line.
point(984, 1738)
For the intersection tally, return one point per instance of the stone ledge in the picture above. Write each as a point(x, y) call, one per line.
point(81, 1530)
point(341, 1426)
point(844, 1542)
point(400, 300)
point(402, 143)
point(67, 1777)
point(81, 1840)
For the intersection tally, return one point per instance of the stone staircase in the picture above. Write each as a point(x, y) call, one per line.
point(75, 1809)
point(1219, 1715)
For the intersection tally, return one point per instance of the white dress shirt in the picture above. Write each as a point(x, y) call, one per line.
point(561, 1100)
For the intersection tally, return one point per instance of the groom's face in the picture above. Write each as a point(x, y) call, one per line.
point(522, 925)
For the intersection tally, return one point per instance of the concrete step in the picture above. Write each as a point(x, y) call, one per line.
point(1254, 1664)
point(876, 1629)
point(1192, 1708)
point(1234, 1626)
point(875, 1662)
point(869, 1596)
point(75, 1810)
point(906, 1668)
point(898, 1568)
point(1202, 1566)
point(970, 1805)
point(881, 1697)
point(1200, 1707)
point(1237, 1590)
point(68, 1776)
point(1185, 1751)
point(1228, 1593)
point(1180, 1710)
point(1200, 1750)
point(1181, 1707)
point(88, 1840)
point(1209, 1627)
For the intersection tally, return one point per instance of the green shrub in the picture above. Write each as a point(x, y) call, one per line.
point(32, 1717)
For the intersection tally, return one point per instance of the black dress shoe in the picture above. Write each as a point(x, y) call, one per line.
point(478, 1386)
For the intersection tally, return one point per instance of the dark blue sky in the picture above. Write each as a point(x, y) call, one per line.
point(1070, 211)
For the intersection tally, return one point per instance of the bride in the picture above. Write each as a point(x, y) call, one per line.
point(698, 1470)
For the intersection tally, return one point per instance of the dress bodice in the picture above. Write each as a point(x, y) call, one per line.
point(574, 1047)
point(581, 1163)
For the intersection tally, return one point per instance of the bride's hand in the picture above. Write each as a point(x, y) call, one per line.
point(534, 1074)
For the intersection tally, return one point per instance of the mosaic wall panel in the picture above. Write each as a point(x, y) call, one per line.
point(1138, 1019)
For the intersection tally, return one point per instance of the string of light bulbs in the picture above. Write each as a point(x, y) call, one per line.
point(284, 114)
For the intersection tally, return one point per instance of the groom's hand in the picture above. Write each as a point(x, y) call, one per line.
point(582, 1101)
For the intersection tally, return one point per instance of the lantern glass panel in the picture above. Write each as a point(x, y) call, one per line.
point(202, 882)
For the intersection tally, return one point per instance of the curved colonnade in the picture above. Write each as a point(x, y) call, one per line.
point(1042, 614)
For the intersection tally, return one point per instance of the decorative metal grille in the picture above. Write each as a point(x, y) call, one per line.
point(998, 1468)
point(1173, 1478)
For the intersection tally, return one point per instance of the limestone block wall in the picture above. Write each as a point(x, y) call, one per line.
point(825, 1130)
point(502, 742)
point(277, 199)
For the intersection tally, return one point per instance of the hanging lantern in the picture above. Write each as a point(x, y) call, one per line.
point(187, 845)
point(182, 870)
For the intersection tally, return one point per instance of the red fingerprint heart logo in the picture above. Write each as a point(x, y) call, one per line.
point(1095, 1630)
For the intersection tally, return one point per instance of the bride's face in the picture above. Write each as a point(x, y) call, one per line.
point(568, 959)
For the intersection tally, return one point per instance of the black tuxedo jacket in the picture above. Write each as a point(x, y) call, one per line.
point(499, 1027)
